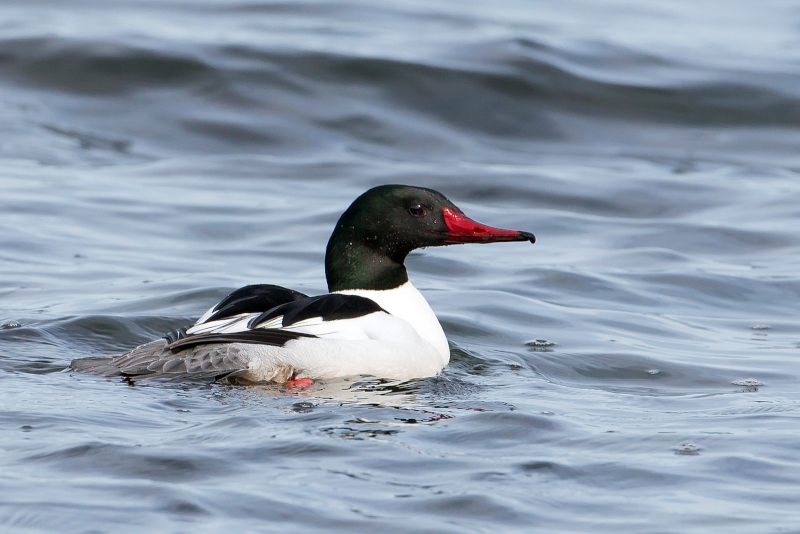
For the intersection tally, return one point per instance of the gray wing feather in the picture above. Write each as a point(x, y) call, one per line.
point(202, 361)
point(97, 365)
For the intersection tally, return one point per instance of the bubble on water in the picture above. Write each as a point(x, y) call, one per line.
point(761, 327)
point(687, 448)
point(747, 382)
point(540, 343)
point(10, 324)
point(303, 407)
point(653, 371)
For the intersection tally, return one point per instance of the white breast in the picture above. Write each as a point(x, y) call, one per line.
point(406, 303)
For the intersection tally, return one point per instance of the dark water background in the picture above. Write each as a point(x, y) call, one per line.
point(155, 155)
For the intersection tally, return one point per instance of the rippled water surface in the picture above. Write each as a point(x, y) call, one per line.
point(634, 371)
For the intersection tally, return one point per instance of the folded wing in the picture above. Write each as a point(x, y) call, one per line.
point(214, 347)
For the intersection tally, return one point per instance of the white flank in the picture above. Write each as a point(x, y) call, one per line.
point(408, 342)
point(407, 303)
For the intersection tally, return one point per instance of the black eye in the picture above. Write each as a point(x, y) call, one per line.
point(417, 210)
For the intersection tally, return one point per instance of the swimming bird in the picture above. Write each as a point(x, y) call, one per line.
point(373, 321)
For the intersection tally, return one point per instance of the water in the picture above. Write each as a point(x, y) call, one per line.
point(634, 371)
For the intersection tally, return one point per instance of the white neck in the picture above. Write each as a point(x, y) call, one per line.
point(408, 304)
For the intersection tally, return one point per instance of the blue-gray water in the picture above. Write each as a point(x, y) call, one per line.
point(155, 155)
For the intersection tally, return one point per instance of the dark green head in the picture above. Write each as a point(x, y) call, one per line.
point(373, 237)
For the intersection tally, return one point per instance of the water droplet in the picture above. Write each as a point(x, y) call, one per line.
point(653, 371)
point(747, 382)
point(10, 324)
point(761, 327)
point(687, 448)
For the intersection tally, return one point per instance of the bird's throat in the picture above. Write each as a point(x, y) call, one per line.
point(351, 265)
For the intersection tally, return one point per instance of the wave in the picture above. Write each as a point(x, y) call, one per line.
point(512, 89)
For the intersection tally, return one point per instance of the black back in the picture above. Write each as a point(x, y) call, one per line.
point(252, 299)
point(329, 307)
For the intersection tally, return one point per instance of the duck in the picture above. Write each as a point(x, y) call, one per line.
point(372, 321)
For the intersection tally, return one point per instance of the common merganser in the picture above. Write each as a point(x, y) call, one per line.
point(372, 321)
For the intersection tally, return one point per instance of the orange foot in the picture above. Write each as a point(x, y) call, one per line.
point(299, 383)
